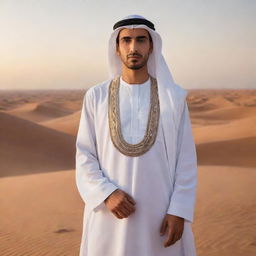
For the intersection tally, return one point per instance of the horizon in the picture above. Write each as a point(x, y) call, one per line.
point(84, 89)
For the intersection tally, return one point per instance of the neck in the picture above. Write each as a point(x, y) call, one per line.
point(132, 76)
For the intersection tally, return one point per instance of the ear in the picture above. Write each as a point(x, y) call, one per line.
point(117, 50)
point(151, 47)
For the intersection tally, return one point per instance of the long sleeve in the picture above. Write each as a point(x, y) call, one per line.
point(184, 194)
point(92, 185)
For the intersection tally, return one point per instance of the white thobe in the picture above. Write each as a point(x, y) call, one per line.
point(101, 169)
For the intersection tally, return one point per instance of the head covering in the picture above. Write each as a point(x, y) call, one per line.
point(134, 21)
point(171, 95)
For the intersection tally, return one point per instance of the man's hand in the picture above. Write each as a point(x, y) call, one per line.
point(120, 204)
point(175, 225)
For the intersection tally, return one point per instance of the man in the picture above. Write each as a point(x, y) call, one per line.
point(136, 165)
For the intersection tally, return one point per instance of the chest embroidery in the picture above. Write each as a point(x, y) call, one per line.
point(115, 125)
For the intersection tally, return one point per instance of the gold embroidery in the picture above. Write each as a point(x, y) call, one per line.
point(115, 125)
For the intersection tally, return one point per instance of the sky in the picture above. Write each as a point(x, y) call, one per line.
point(62, 44)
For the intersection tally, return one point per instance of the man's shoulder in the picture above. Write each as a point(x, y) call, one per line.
point(98, 89)
point(180, 92)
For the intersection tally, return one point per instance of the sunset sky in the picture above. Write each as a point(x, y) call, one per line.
point(63, 43)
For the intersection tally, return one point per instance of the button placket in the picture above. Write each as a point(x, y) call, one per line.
point(138, 114)
point(134, 114)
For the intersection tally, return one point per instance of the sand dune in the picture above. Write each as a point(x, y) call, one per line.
point(236, 152)
point(41, 105)
point(222, 102)
point(28, 112)
point(42, 210)
point(199, 103)
point(226, 114)
point(67, 124)
point(42, 214)
point(43, 111)
point(232, 130)
point(223, 125)
point(54, 109)
point(51, 219)
point(27, 147)
point(225, 211)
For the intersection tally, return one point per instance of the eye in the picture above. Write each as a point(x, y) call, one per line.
point(141, 40)
point(126, 40)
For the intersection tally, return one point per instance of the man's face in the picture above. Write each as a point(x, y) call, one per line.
point(134, 47)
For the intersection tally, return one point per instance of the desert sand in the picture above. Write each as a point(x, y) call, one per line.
point(41, 209)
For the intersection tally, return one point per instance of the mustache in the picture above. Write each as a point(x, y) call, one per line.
point(134, 54)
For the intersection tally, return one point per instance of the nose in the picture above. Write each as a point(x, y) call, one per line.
point(133, 46)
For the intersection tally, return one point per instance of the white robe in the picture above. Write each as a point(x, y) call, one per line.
point(101, 169)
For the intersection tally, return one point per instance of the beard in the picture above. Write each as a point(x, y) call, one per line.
point(134, 65)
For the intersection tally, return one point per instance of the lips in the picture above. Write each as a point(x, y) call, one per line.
point(134, 56)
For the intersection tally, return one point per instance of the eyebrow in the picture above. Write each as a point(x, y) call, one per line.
point(137, 37)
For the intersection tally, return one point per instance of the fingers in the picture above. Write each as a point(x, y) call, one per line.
point(125, 208)
point(120, 204)
point(175, 226)
point(163, 227)
point(122, 213)
point(129, 206)
point(170, 237)
point(130, 199)
point(173, 237)
point(178, 237)
point(117, 214)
